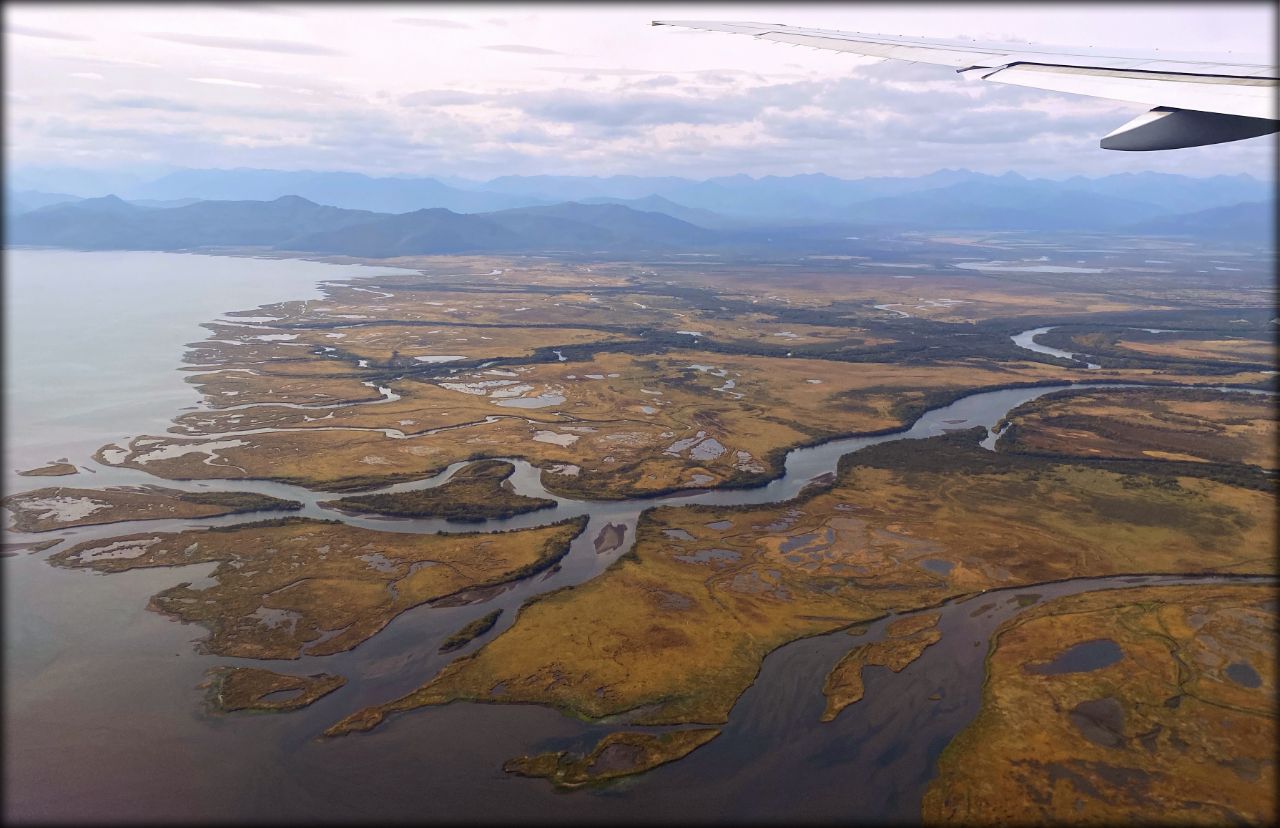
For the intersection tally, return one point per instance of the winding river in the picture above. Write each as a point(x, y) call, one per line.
point(103, 722)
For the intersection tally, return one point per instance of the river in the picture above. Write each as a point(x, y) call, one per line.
point(102, 718)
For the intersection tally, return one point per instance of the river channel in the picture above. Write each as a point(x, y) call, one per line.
point(103, 721)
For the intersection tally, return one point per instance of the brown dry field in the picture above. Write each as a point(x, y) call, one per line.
point(1164, 733)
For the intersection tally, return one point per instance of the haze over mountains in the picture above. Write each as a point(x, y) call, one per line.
point(364, 216)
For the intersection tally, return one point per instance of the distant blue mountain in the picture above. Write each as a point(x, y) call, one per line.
point(1006, 204)
point(1253, 221)
point(353, 191)
point(24, 201)
point(824, 198)
point(268, 207)
point(110, 223)
point(297, 224)
point(1177, 193)
point(658, 204)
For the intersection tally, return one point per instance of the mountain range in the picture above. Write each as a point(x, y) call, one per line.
point(293, 223)
point(956, 197)
point(339, 212)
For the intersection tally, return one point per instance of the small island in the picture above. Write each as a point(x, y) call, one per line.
point(475, 493)
point(905, 640)
point(616, 755)
point(57, 507)
point(470, 632)
point(54, 468)
point(252, 688)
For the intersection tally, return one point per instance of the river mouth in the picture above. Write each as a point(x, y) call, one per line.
point(105, 705)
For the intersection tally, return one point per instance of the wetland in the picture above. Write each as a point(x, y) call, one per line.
point(671, 539)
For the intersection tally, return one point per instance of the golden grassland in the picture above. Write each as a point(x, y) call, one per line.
point(1163, 424)
point(287, 587)
point(678, 627)
point(1233, 349)
point(1165, 733)
point(614, 756)
point(251, 688)
point(905, 640)
point(619, 421)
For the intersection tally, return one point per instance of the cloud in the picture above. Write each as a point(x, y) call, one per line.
point(87, 75)
point(591, 70)
point(252, 44)
point(135, 101)
point(656, 82)
point(228, 82)
point(521, 49)
point(443, 97)
point(51, 34)
point(611, 110)
point(110, 61)
point(432, 21)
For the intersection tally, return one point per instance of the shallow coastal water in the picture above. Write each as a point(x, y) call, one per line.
point(105, 723)
point(92, 339)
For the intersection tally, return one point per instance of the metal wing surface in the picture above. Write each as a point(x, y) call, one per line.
point(1194, 102)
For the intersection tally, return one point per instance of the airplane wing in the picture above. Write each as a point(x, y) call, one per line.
point(1195, 103)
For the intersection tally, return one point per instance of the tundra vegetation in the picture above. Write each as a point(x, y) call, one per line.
point(1178, 718)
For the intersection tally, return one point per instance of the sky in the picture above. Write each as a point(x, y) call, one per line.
point(481, 90)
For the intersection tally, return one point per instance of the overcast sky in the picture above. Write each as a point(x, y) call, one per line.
point(482, 90)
